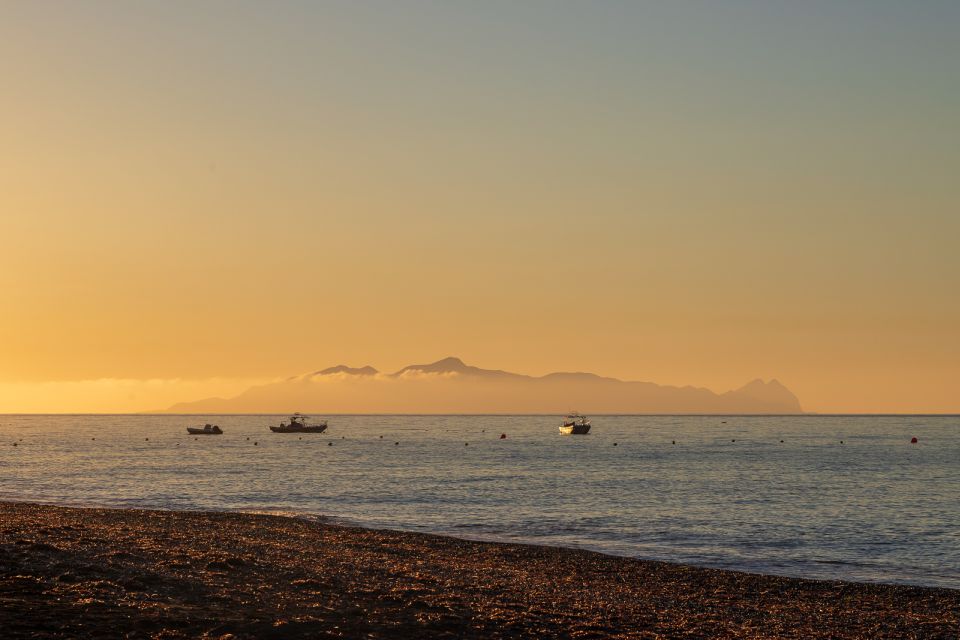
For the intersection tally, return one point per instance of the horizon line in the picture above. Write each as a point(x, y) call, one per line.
point(805, 414)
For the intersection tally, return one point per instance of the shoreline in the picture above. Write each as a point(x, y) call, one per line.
point(350, 523)
point(83, 572)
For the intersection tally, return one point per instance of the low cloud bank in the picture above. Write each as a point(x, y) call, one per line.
point(113, 395)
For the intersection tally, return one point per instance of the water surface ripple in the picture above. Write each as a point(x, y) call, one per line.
point(728, 494)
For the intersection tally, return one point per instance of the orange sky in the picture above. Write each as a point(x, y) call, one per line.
point(194, 200)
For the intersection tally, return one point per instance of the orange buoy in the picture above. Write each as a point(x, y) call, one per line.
point(913, 440)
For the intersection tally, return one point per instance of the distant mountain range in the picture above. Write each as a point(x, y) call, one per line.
point(451, 386)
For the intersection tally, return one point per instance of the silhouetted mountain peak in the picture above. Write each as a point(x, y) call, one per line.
point(450, 385)
point(450, 363)
point(454, 366)
point(771, 393)
point(342, 368)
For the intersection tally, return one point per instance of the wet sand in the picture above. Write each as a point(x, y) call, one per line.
point(106, 573)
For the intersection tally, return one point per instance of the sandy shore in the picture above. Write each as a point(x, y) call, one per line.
point(103, 573)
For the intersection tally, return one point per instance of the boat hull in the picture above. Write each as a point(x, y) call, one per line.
point(320, 428)
point(574, 429)
point(203, 432)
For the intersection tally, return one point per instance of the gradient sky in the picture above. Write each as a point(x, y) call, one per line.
point(197, 195)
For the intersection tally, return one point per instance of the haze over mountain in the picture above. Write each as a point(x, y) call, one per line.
point(451, 386)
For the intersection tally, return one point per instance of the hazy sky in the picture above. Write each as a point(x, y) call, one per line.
point(197, 194)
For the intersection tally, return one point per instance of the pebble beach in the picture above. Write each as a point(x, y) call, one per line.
point(124, 573)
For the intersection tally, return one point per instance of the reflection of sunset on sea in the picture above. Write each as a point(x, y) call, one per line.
point(677, 194)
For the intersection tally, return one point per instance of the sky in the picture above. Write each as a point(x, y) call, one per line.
point(198, 196)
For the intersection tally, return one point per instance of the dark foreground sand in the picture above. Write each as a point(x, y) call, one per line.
point(105, 573)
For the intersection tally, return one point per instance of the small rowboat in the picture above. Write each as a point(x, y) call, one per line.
point(207, 430)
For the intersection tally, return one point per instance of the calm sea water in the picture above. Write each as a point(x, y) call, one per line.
point(728, 494)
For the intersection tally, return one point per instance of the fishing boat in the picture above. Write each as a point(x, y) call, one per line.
point(207, 430)
point(575, 424)
point(299, 424)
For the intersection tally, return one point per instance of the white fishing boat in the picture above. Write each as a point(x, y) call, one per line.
point(575, 424)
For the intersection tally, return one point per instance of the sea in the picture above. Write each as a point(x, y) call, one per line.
point(824, 497)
